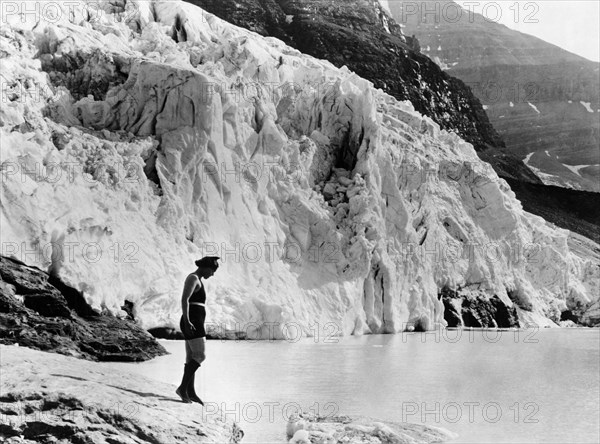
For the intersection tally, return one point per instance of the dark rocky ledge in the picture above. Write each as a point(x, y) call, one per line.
point(477, 310)
point(41, 312)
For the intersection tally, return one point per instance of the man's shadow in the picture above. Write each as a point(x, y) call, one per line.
point(135, 392)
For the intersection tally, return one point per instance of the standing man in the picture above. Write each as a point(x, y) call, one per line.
point(193, 302)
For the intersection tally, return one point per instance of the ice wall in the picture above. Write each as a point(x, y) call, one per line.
point(139, 136)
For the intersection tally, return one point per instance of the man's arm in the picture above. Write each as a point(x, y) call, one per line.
point(188, 289)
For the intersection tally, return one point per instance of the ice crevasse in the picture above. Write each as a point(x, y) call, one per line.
point(139, 136)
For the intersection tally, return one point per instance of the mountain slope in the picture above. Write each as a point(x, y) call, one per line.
point(544, 101)
point(334, 206)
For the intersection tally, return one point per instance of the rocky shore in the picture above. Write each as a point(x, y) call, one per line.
point(46, 397)
point(40, 311)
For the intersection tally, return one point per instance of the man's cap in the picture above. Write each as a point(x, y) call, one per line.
point(208, 262)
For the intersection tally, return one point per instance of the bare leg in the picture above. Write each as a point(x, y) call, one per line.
point(188, 352)
point(197, 349)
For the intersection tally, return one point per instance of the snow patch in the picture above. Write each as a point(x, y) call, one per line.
point(587, 106)
point(527, 158)
point(577, 168)
point(534, 107)
point(439, 62)
point(384, 22)
point(554, 180)
point(549, 179)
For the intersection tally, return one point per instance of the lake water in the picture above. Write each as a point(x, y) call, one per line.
point(488, 387)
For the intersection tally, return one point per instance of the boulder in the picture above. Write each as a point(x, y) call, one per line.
point(36, 314)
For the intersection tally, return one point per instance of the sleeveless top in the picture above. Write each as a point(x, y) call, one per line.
point(198, 295)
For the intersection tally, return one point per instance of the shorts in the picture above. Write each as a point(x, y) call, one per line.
point(197, 315)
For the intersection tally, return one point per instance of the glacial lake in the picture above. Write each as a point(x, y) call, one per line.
point(538, 386)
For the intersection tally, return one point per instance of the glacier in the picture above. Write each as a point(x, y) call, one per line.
point(138, 136)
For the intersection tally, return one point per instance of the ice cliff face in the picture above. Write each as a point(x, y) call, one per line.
point(140, 136)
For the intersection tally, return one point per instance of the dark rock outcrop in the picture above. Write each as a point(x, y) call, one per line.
point(41, 312)
point(452, 312)
point(463, 309)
